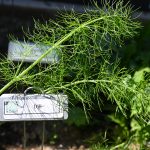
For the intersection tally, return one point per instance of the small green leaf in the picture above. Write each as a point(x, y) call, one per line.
point(139, 75)
point(135, 126)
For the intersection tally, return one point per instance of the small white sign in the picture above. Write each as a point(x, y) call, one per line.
point(29, 52)
point(17, 107)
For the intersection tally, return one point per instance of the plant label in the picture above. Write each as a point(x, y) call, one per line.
point(17, 107)
point(29, 52)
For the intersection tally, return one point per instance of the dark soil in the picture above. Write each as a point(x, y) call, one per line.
point(58, 135)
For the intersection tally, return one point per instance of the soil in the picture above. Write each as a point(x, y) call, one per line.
point(48, 148)
point(58, 136)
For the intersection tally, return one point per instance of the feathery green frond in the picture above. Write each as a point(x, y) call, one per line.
point(84, 43)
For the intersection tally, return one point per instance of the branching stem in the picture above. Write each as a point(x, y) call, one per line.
point(82, 82)
point(63, 39)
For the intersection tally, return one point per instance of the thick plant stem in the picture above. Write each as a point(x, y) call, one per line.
point(58, 43)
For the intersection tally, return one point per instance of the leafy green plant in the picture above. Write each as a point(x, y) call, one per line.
point(140, 130)
point(121, 130)
point(141, 78)
point(85, 68)
point(135, 129)
point(84, 43)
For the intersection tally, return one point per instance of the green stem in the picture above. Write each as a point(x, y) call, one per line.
point(49, 90)
point(58, 43)
point(117, 146)
point(76, 83)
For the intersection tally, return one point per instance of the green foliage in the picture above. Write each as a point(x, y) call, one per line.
point(121, 132)
point(139, 76)
point(85, 43)
point(136, 126)
point(85, 67)
point(136, 55)
point(140, 132)
point(99, 146)
point(142, 108)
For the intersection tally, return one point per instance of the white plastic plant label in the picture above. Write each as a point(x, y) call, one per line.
point(29, 52)
point(17, 107)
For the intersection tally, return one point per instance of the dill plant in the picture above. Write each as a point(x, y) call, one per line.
point(84, 43)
